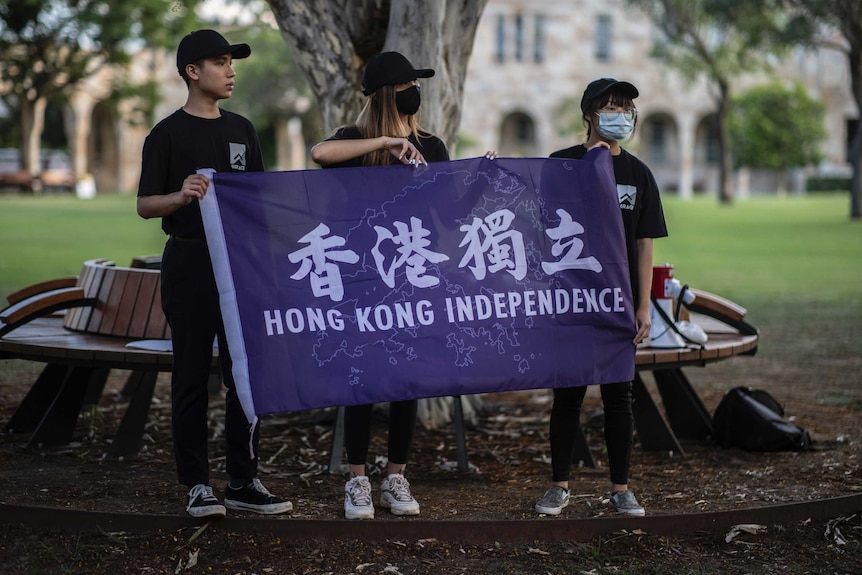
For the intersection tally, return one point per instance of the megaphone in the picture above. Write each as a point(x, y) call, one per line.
point(666, 288)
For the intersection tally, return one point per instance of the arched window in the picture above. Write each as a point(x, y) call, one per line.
point(518, 135)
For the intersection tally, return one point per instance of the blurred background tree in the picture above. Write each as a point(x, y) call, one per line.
point(719, 40)
point(844, 16)
point(777, 128)
point(275, 96)
point(49, 46)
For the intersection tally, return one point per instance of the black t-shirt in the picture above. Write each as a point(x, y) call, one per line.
point(430, 146)
point(640, 202)
point(180, 145)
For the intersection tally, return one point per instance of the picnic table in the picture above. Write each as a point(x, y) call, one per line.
point(81, 328)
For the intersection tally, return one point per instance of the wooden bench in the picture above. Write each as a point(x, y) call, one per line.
point(105, 307)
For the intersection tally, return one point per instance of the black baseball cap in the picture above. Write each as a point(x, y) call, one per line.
point(600, 87)
point(202, 44)
point(390, 69)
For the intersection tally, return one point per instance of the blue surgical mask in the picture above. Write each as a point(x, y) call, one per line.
point(614, 126)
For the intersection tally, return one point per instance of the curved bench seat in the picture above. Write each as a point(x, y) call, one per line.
point(127, 302)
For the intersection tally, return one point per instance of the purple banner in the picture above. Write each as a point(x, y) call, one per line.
point(362, 285)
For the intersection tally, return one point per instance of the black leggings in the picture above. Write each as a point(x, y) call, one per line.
point(357, 431)
point(619, 426)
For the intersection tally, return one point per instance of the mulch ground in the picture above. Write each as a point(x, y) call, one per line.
point(510, 467)
point(816, 377)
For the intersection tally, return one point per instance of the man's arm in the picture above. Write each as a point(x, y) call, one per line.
point(159, 205)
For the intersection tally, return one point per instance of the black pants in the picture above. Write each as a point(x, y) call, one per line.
point(357, 431)
point(191, 305)
point(619, 426)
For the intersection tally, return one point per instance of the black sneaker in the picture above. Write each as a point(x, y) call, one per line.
point(200, 502)
point(255, 497)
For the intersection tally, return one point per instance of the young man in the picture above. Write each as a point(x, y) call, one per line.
point(201, 135)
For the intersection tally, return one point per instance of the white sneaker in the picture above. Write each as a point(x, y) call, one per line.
point(357, 499)
point(396, 496)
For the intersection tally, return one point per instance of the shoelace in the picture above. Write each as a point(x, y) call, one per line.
point(203, 491)
point(360, 492)
point(401, 488)
point(258, 486)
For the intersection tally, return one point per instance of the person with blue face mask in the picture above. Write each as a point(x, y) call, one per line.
point(610, 116)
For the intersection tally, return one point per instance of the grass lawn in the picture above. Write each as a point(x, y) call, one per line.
point(46, 237)
point(766, 249)
point(764, 253)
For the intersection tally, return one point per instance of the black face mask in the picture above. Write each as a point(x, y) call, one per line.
point(407, 101)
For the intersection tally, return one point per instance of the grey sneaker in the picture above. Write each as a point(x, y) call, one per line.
point(553, 501)
point(201, 502)
point(396, 496)
point(357, 499)
point(626, 502)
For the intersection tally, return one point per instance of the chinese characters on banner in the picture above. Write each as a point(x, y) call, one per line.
point(361, 285)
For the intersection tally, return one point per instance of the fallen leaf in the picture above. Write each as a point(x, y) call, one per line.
point(751, 528)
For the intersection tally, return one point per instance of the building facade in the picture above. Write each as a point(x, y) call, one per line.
point(532, 60)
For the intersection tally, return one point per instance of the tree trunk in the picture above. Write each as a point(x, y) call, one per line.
point(856, 179)
point(440, 36)
point(32, 124)
point(855, 62)
point(332, 41)
point(725, 184)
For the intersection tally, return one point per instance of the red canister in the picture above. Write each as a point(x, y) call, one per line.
point(661, 276)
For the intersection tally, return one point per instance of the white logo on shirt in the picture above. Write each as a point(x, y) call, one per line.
point(237, 156)
point(627, 195)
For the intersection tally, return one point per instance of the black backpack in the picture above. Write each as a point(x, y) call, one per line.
point(752, 419)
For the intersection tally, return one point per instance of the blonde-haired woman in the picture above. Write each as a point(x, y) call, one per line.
point(386, 132)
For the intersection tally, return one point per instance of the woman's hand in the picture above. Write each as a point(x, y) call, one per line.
point(405, 151)
point(642, 321)
point(599, 144)
point(491, 154)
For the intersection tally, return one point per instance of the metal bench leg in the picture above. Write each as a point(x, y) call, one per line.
point(131, 385)
point(131, 431)
point(58, 424)
point(653, 430)
point(37, 401)
point(686, 413)
point(460, 439)
point(96, 385)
